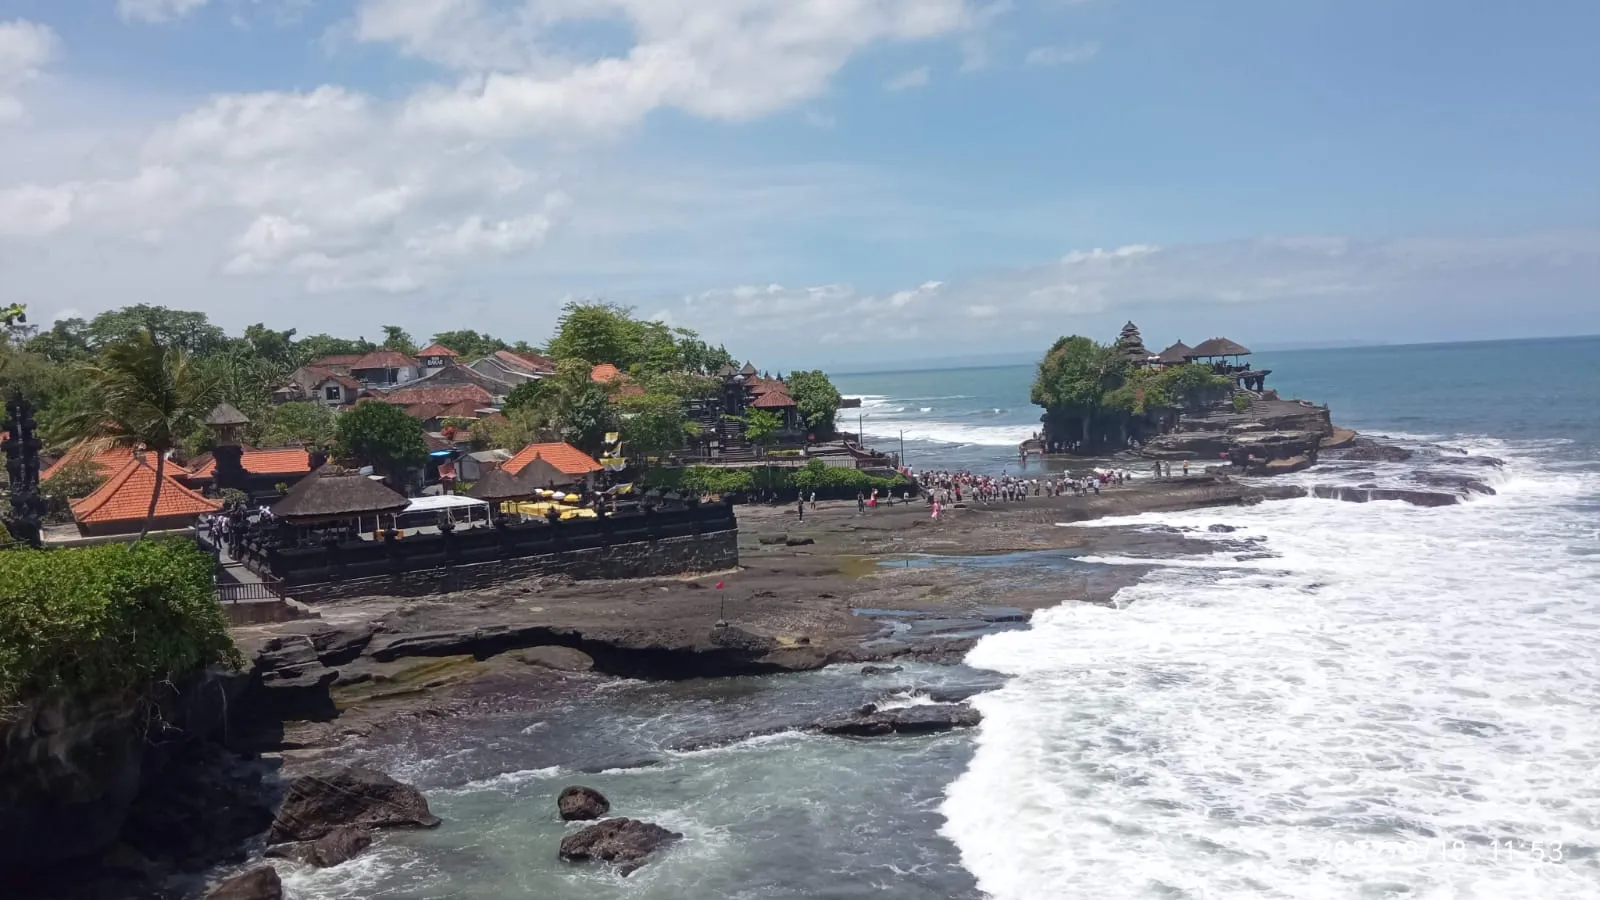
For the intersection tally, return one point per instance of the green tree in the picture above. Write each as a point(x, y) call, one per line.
point(317, 346)
point(301, 422)
point(683, 384)
point(598, 332)
point(144, 395)
point(191, 332)
point(652, 424)
point(470, 344)
point(396, 338)
point(67, 341)
point(759, 425)
point(816, 399)
point(270, 344)
point(381, 436)
point(78, 478)
point(568, 406)
point(1073, 383)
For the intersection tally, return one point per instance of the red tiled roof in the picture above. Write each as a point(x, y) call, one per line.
point(344, 360)
point(437, 350)
point(773, 399)
point(383, 359)
point(105, 461)
point(605, 373)
point(323, 373)
point(567, 459)
point(463, 409)
point(280, 461)
point(531, 362)
point(444, 395)
point(126, 497)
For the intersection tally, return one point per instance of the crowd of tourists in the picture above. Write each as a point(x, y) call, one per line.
point(945, 488)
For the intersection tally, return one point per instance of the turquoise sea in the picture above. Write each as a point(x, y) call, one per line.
point(1393, 702)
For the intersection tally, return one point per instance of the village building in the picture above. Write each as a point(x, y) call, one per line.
point(104, 461)
point(385, 368)
point(122, 504)
point(624, 385)
point(554, 465)
point(472, 467)
point(436, 356)
point(264, 470)
point(509, 368)
point(319, 384)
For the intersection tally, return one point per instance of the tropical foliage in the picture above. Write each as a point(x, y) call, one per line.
point(109, 620)
point(760, 425)
point(144, 395)
point(1090, 392)
point(599, 332)
point(817, 401)
point(381, 436)
point(826, 481)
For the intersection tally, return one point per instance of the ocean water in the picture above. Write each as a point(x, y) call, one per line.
point(1394, 702)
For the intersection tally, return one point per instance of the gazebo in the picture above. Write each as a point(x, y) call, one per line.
point(333, 495)
point(1219, 348)
point(1176, 355)
point(500, 486)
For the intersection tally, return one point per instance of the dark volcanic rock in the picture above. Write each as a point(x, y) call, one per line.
point(628, 843)
point(1365, 495)
point(578, 803)
point(260, 883)
point(337, 646)
point(1222, 529)
point(880, 670)
point(321, 801)
point(925, 719)
point(799, 541)
point(339, 845)
point(1451, 481)
point(1369, 450)
point(772, 539)
point(562, 659)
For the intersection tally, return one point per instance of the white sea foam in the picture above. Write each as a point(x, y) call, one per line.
point(1408, 676)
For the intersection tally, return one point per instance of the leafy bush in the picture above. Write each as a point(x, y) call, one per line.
point(830, 481)
point(1241, 402)
point(106, 621)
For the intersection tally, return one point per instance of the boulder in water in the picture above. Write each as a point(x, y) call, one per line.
point(628, 843)
point(880, 670)
point(578, 803)
point(319, 802)
point(340, 845)
point(925, 719)
point(260, 883)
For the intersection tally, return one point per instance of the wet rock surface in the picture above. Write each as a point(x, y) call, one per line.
point(579, 803)
point(626, 843)
point(871, 721)
point(260, 883)
point(321, 801)
point(340, 845)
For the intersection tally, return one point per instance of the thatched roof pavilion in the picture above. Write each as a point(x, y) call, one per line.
point(331, 493)
point(1176, 355)
point(498, 486)
point(226, 414)
point(1219, 347)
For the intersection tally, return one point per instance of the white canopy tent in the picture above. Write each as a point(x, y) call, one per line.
point(458, 508)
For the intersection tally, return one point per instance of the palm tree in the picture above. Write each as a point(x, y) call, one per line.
point(145, 396)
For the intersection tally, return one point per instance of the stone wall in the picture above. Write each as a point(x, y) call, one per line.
point(641, 559)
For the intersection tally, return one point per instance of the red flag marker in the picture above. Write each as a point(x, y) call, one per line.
point(719, 585)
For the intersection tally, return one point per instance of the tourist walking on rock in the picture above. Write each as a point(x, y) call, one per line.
point(861, 504)
point(1186, 468)
point(802, 507)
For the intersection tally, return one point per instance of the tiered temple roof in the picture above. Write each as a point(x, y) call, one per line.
point(1219, 346)
point(125, 498)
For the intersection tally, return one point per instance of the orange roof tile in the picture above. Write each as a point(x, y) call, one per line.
point(105, 461)
point(383, 358)
point(437, 350)
point(126, 497)
point(281, 461)
point(605, 373)
point(567, 459)
point(444, 395)
point(531, 362)
point(773, 399)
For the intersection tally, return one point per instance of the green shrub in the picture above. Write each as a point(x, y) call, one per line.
point(827, 480)
point(106, 621)
point(1241, 402)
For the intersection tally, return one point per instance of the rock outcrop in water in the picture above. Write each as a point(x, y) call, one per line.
point(322, 801)
point(627, 843)
point(870, 721)
point(260, 883)
point(578, 803)
point(339, 845)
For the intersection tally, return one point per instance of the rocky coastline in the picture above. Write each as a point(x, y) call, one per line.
point(837, 589)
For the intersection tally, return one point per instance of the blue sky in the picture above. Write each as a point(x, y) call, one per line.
point(812, 181)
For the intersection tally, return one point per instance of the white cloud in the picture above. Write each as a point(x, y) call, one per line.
point(717, 59)
point(1051, 57)
point(156, 10)
point(1227, 285)
point(25, 49)
point(914, 78)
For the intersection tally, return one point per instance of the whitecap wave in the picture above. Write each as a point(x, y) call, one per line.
point(1410, 676)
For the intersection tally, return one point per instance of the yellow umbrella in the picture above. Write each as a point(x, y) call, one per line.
point(573, 498)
